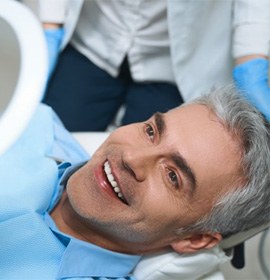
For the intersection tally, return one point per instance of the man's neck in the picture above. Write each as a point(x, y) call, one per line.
point(69, 222)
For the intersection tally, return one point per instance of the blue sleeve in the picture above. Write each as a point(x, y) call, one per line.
point(65, 146)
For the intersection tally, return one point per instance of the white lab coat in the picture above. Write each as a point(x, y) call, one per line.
point(205, 36)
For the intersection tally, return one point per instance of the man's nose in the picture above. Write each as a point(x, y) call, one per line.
point(139, 162)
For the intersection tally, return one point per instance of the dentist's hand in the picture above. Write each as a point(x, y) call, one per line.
point(251, 78)
point(54, 37)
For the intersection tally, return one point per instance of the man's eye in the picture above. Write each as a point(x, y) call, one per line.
point(173, 178)
point(150, 131)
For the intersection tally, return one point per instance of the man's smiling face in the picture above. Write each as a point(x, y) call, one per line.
point(149, 179)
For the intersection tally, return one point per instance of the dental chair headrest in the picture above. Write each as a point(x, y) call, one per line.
point(240, 237)
point(236, 242)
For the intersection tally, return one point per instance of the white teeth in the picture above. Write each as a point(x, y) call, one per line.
point(110, 177)
point(107, 167)
point(114, 184)
point(116, 189)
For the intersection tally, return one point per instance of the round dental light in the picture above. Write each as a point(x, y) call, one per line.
point(23, 69)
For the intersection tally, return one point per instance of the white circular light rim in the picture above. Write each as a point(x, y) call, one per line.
point(32, 75)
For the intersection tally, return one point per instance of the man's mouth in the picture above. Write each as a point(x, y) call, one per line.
point(112, 182)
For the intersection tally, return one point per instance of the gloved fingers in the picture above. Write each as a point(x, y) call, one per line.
point(251, 78)
point(251, 73)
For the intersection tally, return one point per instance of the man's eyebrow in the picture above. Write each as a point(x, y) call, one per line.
point(160, 123)
point(182, 164)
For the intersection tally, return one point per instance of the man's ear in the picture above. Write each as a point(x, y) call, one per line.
point(196, 242)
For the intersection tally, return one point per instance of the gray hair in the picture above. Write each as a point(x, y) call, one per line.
point(248, 205)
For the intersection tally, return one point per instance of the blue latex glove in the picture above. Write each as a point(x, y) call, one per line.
point(251, 78)
point(54, 39)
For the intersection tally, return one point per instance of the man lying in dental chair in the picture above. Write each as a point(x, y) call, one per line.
point(181, 181)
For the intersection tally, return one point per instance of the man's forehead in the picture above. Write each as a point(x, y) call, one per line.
point(189, 112)
point(206, 144)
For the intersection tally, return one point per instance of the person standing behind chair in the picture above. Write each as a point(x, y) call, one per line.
point(148, 55)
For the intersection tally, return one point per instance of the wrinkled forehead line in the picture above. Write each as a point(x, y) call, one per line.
point(213, 116)
point(191, 105)
point(199, 107)
point(234, 134)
